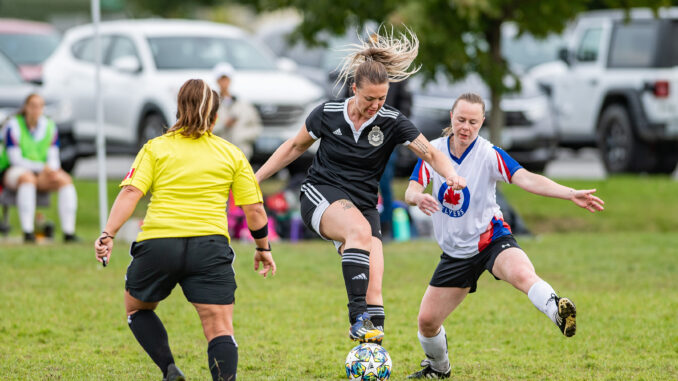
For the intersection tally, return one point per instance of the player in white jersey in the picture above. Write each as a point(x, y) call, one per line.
point(471, 231)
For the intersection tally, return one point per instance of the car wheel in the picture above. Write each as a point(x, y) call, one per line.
point(620, 149)
point(153, 125)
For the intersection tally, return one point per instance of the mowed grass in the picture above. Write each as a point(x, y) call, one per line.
point(62, 316)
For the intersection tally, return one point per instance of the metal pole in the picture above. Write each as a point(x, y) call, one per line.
point(101, 138)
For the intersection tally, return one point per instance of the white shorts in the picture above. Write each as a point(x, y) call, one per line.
point(12, 175)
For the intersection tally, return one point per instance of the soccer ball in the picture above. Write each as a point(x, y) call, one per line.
point(368, 361)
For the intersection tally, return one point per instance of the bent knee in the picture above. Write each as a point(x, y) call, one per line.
point(361, 235)
point(428, 325)
point(28, 177)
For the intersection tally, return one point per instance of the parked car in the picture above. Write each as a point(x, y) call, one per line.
point(618, 88)
point(144, 64)
point(28, 44)
point(529, 134)
point(13, 93)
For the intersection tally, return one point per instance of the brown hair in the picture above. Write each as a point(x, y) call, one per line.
point(30, 96)
point(382, 58)
point(470, 98)
point(197, 106)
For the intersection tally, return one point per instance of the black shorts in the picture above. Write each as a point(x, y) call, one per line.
point(201, 265)
point(458, 272)
point(316, 198)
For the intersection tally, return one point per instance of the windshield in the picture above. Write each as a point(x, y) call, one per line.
point(526, 51)
point(28, 49)
point(180, 53)
point(9, 75)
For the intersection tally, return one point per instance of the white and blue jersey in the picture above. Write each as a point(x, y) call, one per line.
point(468, 219)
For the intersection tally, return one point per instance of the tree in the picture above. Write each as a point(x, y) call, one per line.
point(456, 37)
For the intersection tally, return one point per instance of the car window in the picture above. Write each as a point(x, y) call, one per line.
point(527, 51)
point(633, 45)
point(28, 49)
point(180, 53)
point(589, 45)
point(84, 49)
point(9, 75)
point(122, 47)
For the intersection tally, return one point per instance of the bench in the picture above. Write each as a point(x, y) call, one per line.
point(8, 199)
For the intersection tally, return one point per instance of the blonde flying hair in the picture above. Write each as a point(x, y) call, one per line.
point(197, 106)
point(472, 98)
point(384, 57)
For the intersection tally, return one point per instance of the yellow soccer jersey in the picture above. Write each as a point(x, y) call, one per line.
point(190, 180)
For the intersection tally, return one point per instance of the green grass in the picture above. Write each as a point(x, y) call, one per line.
point(62, 316)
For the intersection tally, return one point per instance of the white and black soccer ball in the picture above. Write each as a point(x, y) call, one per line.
point(368, 361)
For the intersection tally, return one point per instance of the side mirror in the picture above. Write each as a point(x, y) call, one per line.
point(127, 64)
point(564, 55)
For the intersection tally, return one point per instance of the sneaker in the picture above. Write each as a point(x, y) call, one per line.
point(71, 238)
point(29, 237)
point(174, 374)
point(364, 331)
point(566, 318)
point(429, 372)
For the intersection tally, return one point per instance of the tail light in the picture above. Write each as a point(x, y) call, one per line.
point(661, 89)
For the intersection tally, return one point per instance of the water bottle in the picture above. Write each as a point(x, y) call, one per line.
point(401, 225)
point(295, 227)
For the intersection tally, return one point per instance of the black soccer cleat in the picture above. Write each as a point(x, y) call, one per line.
point(429, 372)
point(174, 374)
point(566, 318)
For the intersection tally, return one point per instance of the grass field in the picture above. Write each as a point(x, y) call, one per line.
point(62, 317)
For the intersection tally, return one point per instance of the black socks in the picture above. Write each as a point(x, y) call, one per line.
point(151, 334)
point(355, 264)
point(222, 355)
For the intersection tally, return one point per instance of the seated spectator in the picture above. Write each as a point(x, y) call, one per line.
point(29, 163)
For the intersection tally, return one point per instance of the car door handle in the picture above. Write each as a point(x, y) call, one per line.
point(593, 82)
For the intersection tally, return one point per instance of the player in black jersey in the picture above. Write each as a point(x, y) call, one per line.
point(339, 194)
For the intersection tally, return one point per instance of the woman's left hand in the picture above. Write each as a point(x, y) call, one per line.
point(586, 200)
point(265, 259)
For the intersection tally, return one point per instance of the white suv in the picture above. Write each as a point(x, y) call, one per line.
point(144, 64)
point(619, 90)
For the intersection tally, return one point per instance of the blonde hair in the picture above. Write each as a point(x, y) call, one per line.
point(382, 58)
point(197, 106)
point(470, 98)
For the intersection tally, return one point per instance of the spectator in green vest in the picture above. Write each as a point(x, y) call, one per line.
point(29, 163)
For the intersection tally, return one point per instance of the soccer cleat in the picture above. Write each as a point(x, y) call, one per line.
point(174, 374)
point(429, 372)
point(29, 237)
point(364, 331)
point(566, 318)
point(71, 238)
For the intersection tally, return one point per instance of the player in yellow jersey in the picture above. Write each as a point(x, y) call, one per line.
point(184, 238)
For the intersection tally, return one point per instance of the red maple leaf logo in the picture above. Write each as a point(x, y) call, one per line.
point(452, 197)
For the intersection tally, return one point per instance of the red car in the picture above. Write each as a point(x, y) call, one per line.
point(28, 44)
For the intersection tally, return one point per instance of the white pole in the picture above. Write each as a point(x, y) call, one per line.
point(101, 138)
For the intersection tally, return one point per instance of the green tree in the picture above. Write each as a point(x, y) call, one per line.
point(457, 37)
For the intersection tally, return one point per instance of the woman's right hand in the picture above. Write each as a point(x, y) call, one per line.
point(427, 203)
point(103, 247)
point(265, 260)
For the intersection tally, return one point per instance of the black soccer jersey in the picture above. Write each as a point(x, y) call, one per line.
point(355, 160)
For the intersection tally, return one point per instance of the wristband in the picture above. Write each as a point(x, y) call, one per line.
point(262, 249)
point(260, 233)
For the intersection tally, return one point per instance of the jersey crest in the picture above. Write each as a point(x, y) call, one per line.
point(375, 137)
point(454, 203)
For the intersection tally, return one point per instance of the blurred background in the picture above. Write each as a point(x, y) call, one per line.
point(579, 89)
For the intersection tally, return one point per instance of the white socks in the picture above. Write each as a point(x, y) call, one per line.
point(68, 205)
point(436, 349)
point(541, 295)
point(25, 200)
